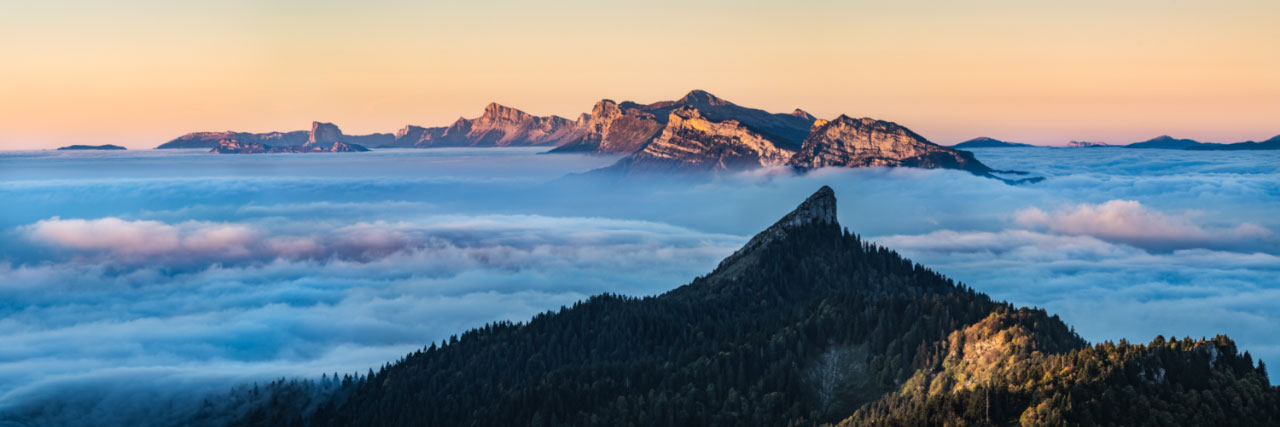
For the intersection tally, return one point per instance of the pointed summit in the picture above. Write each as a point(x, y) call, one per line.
point(698, 97)
point(817, 210)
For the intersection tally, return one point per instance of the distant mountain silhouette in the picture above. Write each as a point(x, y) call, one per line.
point(985, 142)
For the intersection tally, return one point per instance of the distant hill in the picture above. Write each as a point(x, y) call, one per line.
point(985, 142)
point(91, 147)
point(1270, 144)
point(805, 324)
point(1168, 142)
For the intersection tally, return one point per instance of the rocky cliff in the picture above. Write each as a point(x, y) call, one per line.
point(692, 142)
point(850, 142)
point(498, 126)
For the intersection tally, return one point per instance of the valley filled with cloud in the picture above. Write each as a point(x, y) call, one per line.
point(177, 274)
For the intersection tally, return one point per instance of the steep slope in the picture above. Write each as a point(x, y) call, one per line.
point(850, 142)
point(498, 126)
point(612, 129)
point(985, 142)
point(628, 127)
point(690, 142)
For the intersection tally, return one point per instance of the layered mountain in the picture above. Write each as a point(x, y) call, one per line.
point(628, 127)
point(91, 147)
point(498, 126)
point(985, 142)
point(806, 324)
point(234, 146)
point(320, 133)
point(702, 133)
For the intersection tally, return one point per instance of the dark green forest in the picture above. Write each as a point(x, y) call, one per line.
point(807, 325)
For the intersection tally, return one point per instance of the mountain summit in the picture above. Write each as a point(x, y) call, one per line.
point(806, 324)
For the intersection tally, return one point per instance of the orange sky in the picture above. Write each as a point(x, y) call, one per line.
point(138, 73)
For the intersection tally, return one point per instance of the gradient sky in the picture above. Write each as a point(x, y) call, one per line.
point(139, 72)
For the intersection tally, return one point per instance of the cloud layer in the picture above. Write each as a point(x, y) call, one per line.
point(187, 273)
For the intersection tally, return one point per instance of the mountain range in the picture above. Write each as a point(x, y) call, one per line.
point(698, 132)
point(806, 324)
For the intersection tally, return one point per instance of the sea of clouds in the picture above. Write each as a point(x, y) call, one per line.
point(133, 284)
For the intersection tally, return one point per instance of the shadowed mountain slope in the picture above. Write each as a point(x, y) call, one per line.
point(805, 324)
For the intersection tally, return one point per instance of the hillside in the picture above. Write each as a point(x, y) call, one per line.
point(805, 324)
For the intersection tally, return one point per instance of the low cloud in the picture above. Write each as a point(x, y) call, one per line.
point(1129, 222)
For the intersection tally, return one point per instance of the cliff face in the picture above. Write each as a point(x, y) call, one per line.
point(498, 126)
point(849, 142)
point(692, 142)
point(612, 129)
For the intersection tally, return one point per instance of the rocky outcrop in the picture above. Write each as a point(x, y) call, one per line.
point(234, 146)
point(850, 142)
point(324, 133)
point(498, 126)
point(692, 142)
point(818, 208)
point(612, 129)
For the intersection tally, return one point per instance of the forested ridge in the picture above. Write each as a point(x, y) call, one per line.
point(807, 325)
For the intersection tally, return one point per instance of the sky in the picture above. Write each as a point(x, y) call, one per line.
point(135, 284)
point(140, 72)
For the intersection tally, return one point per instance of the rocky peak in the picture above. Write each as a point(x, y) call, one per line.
point(698, 97)
point(818, 209)
point(850, 142)
point(495, 112)
point(324, 133)
point(802, 114)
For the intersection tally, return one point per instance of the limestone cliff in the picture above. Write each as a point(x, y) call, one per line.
point(850, 142)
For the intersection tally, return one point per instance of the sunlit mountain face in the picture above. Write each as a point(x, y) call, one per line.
point(135, 284)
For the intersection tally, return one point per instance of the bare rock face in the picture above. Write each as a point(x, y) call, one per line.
point(610, 128)
point(324, 134)
point(818, 208)
point(498, 126)
point(692, 142)
point(850, 142)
